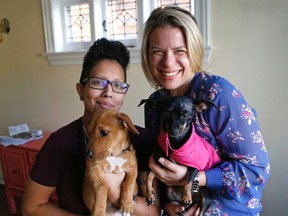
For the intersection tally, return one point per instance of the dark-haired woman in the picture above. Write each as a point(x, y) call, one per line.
point(60, 165)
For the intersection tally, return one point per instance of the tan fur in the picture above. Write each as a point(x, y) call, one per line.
point(108, 138)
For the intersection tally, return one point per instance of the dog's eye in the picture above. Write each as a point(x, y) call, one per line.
point(103, 133)
point(166, 114)
point(89, 154)
point(185, 115)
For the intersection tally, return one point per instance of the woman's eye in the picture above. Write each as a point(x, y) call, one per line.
point(180, 51)
point(118, 86)
point(97, 82)
point(157, 52)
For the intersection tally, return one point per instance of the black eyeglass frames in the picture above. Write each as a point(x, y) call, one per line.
point(99, 83)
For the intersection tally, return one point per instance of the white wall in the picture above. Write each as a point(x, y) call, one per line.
point(249, 40)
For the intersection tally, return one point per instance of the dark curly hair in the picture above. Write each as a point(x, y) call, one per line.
point(104, 49)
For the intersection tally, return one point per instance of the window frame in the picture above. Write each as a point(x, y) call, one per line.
point(76, 57)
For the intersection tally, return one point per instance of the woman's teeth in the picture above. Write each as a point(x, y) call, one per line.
point(170, 74)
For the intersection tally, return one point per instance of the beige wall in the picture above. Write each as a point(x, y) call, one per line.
point(249, 41)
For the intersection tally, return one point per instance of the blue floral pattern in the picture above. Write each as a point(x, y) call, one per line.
point(233, 130)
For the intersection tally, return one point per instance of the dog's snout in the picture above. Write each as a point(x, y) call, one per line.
point(174, 132)
point(89, 154)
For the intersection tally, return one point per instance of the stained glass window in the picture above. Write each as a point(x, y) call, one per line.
point(79, 23)
point(186, 4)
point(122, 19)
point(71, 26)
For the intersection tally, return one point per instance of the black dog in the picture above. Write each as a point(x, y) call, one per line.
point(177, 114)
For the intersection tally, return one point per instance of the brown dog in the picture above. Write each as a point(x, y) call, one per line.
point(109, 151)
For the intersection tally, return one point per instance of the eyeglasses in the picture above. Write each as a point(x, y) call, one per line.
point(99, 83)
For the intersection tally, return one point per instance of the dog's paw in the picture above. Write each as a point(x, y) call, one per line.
point(187, 200)
point(126, 214)
point(126, 209)
point(150, 201)
point(150, 198)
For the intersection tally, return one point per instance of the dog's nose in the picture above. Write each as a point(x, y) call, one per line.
point(90, 154)
point(174, 132)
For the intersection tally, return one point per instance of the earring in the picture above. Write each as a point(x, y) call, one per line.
point(81, 98)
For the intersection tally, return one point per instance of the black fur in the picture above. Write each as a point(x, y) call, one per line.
point(177, 114)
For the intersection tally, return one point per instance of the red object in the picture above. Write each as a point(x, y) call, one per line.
point(17, 162)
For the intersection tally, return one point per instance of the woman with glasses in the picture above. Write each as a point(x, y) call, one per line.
point(60, 165)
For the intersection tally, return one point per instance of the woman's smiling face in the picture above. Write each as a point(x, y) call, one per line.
point(169, 60)
point(103, 99)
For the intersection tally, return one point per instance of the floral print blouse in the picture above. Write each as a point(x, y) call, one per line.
point(237, 182)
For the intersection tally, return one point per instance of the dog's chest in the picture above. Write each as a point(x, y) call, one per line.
point(116, 164)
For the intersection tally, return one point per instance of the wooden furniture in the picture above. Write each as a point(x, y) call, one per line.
point(17, 162)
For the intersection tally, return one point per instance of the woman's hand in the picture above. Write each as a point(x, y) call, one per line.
point(172, 174)
point(173, 209)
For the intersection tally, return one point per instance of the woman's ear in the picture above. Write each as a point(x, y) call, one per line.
point(80, 90)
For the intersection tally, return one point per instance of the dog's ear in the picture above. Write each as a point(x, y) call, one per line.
point(152, 103)
point(142, 102)
point(92, 120)
point(202, 104)
point(127, 122)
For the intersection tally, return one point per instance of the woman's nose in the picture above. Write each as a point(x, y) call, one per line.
point(168, 59)
point(107, 92)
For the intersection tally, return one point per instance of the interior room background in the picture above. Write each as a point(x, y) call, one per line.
point(249, 40)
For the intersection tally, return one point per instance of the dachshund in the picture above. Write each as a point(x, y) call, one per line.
point(179, 143)
point(109, 150)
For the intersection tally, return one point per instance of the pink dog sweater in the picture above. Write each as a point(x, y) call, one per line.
point(196, 152)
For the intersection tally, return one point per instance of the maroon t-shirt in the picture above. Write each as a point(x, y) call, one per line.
point(61, 163)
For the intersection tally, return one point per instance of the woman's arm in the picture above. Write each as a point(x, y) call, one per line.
point(36, 201)
point(142, 209)
point(245, 168)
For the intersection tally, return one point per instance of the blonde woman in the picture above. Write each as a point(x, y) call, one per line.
point(172, 53)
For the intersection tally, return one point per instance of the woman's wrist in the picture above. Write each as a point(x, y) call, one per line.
point(202, 178)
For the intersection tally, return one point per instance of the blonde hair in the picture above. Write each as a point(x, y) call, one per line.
point(186, 22)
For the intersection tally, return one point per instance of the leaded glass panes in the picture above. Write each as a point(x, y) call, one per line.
point(79, 23)
point(186, 4)
point(122, 19)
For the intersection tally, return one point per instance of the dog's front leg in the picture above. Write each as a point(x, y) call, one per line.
point(150, 196)
point(127, 191)
point(187, 190)
point(100, 204)
point(95, 191)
